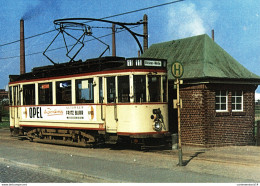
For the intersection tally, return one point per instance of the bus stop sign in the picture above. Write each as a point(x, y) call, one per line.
point(177, 70)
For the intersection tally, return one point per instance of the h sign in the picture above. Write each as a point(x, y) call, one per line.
point(177, 70)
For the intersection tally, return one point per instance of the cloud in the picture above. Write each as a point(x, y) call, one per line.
point(34, 10)
point(187, 20)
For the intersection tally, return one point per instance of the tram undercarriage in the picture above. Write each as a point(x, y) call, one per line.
point(64, 137)
point(87, 138)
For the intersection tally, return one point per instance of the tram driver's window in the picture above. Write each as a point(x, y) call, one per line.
point(111, 90)
point(29, 94)
point(63, 92)
point(140, 88)
point(84, 91)
point(45, 93)
point(123, 89)
point(154, 87)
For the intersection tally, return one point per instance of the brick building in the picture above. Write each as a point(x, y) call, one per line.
point(217, 93)
point(3, 94)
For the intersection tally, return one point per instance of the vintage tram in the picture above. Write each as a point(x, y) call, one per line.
point(85, 103)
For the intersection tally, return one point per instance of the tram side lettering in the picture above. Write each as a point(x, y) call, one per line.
point(35, 112)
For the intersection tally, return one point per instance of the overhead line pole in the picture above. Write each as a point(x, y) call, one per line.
point(133, 11)
point(58, 48)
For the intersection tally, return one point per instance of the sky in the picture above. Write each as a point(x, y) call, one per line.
point(236, 24)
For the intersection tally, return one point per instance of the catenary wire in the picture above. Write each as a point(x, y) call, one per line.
point(129, 12)
point(58, 48)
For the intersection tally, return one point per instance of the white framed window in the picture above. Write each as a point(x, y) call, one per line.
point(221, 101)
point(237, 101)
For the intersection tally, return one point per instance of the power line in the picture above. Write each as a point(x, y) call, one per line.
point(138, 10)
point(58, 48)
point(133, 11)
point(27, 38)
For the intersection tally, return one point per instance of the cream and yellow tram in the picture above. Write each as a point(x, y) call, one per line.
point(84, 103)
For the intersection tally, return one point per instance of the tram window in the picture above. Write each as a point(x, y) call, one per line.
point(111, 90)
point(10, 96)
point(63, 92)
point(15, 95)
point(139, 88)
point(101, 97)
point(29, 94)
point(45, 93)
point(154, 87)
point(18, 95)
point(123, 89)
point(84, 91)
point(164, 89)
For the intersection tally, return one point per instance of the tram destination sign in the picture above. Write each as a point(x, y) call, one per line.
point(177, 70)
point(151, 63)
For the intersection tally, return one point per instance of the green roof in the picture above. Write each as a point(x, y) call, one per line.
point(202, 58)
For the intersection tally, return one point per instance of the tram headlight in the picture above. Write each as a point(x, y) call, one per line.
point(157, 119)
point(157, 126)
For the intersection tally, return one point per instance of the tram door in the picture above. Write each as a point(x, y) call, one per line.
point(111, 107)
point(15, 101)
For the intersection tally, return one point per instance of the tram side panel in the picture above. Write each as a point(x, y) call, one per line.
point(85, 117)
point(139, 119)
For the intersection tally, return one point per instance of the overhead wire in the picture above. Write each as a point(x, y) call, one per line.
point(116, 15)
point(58, 48)
point(27, 38)
point(141, 9)
point(129, 12)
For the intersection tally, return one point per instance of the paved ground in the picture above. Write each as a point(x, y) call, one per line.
point(223, 164)
point(11, 173)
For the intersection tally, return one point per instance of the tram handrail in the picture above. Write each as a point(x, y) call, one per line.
point(115, 110)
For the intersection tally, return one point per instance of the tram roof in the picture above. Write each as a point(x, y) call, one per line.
point(202, 59)
point(90, 65)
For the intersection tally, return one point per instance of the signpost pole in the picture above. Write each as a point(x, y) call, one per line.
point(177, 72)
point(179, 122)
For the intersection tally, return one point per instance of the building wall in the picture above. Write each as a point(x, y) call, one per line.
point(202, 125)
point(193, 114)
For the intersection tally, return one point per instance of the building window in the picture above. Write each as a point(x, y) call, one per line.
point(84, 91)
point(63, 92)
point(237, 101)
point(45, 93)
point(221, 100)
